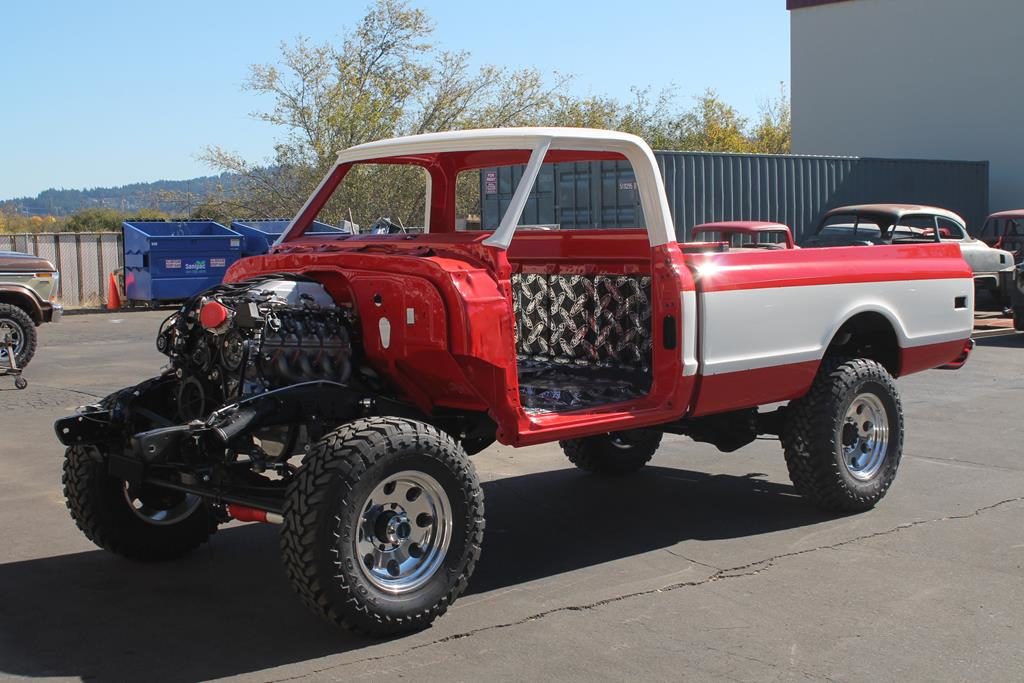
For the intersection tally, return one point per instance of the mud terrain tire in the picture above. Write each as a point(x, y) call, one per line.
point(19, 322)
point(166, 525)
point(339, 512)
point(613, 455)
point(844, 439)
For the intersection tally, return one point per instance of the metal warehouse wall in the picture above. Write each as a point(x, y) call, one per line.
point(704, 187)
point(944, 103)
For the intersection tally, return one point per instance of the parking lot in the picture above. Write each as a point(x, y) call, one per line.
point(705, 565)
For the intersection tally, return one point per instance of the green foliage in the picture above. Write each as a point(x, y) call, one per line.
point(107, 220)
point(712, 126)
point(86, 220)
point(95, 220)
point(384, 79)
point(772, 133)
point(13, 222)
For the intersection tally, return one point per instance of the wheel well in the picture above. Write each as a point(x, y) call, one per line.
point(23, 302)
point(868, 335)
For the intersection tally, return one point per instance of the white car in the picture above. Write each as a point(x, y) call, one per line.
point(896, 223)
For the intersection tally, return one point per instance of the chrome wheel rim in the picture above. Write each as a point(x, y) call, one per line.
point(625, 440)
point(162, 513)
point(621, 443)
point(12, 332)
point(865, 436)
point(403, 532)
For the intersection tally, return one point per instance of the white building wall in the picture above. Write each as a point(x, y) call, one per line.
point(938, 79)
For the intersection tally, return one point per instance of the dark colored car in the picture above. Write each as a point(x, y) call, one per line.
point(28, 289)
point(1005, 230)
point(1017, 298)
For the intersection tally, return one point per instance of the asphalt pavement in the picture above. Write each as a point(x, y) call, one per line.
point(705, 566)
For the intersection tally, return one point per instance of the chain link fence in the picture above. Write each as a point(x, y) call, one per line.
point(84, 259)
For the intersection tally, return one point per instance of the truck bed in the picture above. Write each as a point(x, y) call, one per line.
point(753, 324)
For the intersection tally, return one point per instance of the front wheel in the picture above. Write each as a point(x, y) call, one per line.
point(383, 525)
point(844, 439)
point(145, 523)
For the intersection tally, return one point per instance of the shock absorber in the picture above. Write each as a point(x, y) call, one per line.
point(244, 513)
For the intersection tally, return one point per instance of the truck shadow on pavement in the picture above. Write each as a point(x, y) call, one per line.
point(1005, 341)
point(227, 609)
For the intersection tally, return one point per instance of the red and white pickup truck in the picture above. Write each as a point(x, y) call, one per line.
point(387, 358)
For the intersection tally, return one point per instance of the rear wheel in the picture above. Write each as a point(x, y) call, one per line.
point(145, 523)
point(383, 525)
point(844, 439)
point(616, 454)
point(17, 327)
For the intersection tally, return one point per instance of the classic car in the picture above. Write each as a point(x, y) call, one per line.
point(868, 224)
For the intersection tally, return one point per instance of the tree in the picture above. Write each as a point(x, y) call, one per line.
point(386, 78)
point(711, 126)
point(107, 220)
point(773, 132)
point(95, 220)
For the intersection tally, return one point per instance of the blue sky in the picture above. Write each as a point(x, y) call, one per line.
point(108, 93)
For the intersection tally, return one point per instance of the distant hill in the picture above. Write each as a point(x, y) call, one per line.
point(170, 196)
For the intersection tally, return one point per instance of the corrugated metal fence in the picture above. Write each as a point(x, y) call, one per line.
point(704, 187)
point(84, 259)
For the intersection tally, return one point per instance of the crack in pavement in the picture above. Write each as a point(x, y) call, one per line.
point(73, 391)
point(691, 560)
point(739, 571)
point(771, 665)
point(955, 461)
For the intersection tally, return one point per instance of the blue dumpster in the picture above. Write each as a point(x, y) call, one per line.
point(171, 261)
point(260, 235)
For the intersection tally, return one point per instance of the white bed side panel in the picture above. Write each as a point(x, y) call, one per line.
point(755, 328)
point(689, 302)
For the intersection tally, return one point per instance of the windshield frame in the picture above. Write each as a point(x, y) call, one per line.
point(445, 155)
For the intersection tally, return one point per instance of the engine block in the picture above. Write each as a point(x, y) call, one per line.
point(239, 340)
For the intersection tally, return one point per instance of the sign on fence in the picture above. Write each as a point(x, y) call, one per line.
point(84, 259)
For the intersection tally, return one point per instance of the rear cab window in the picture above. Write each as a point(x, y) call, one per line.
point(950, 229)
point(914, 228)
point(851, 226)
point(584, 195)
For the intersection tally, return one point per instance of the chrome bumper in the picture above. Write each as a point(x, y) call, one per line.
point(54, 314)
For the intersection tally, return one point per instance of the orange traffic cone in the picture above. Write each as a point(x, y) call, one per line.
point(113, 296)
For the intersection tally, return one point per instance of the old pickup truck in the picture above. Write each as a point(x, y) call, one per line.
point(745, 234)
point(28, 298)
point(385, 360)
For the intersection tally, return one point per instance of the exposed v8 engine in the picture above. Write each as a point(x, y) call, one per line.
point(240, 340)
